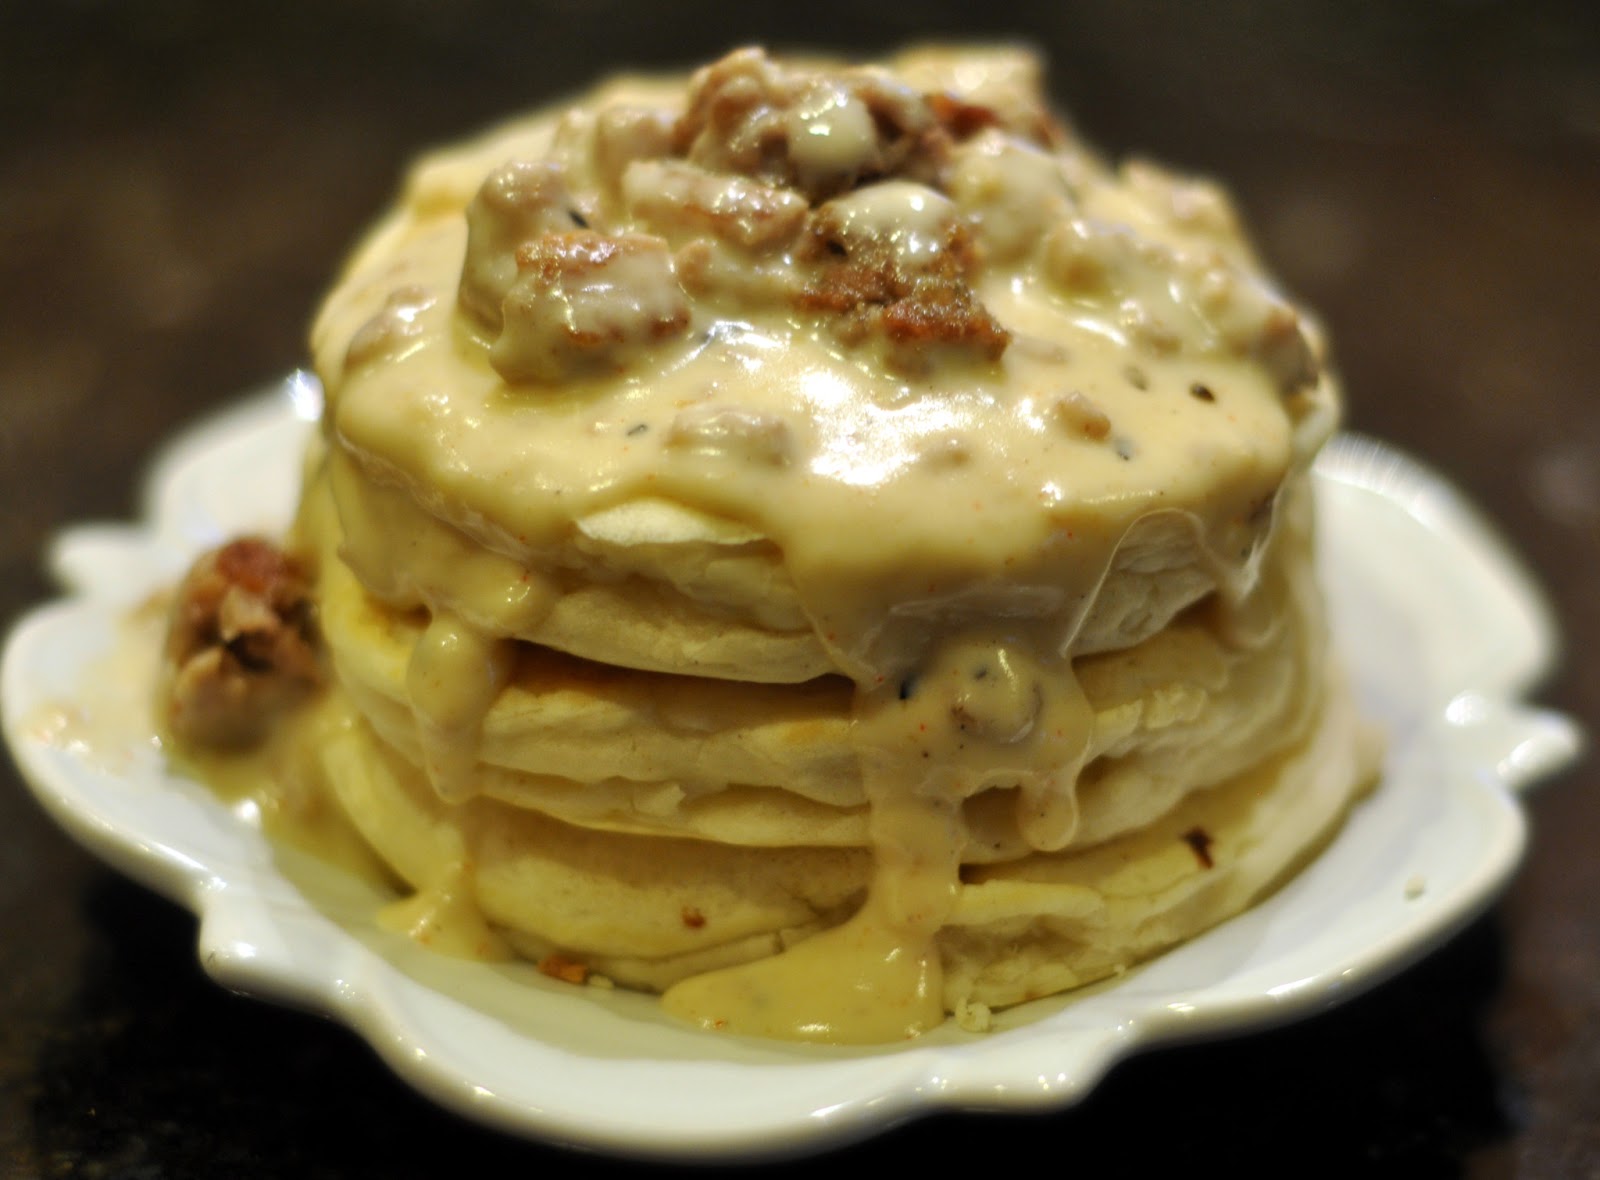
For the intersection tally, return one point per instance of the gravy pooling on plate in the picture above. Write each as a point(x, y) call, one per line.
point(812, 540)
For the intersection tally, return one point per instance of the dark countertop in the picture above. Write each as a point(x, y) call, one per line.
point(177, 184)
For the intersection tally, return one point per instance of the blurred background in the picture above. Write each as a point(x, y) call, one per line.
point(178, 180)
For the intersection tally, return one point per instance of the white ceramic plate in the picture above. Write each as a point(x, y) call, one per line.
point(1441, 628)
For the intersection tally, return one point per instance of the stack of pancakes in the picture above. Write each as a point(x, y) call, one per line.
point(815, 541)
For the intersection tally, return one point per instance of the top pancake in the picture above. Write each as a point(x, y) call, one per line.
point(823, 417)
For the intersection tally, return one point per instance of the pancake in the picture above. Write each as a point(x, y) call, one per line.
point(816, 541)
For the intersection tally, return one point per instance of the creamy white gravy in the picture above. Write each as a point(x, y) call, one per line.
point(628, 312)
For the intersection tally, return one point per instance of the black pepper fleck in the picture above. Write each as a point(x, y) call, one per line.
point(1136, 377)
point(1124, 448)
point(907, 687)
point(578, 219)
point(638, 428)
point(1200, 840)
point(1202, 391)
